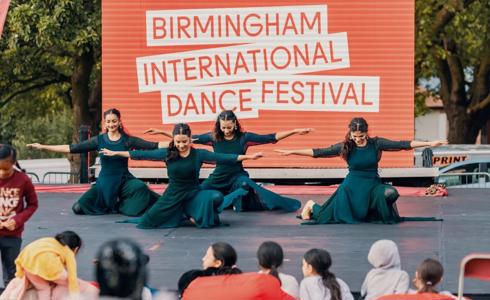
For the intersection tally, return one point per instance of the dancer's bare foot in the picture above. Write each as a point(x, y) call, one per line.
point(192, 221)
point(307, 210)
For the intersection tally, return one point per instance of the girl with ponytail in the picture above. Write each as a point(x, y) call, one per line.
point(270, 257)
point(18, 201)
point(351, 203)
point(319, 283)
point(183, 196)
point(116, 189)
point(220, 259)
point(228, 136)
point(427, 276)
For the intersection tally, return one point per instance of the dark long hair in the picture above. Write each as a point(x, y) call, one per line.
point(115, 111)
point(172, 151)
point(356, 124)
point(226, 115)
point(9, 152)
point(321, 261)
point(70, 239)
point(225, 253)
point(270, 256)
point(430, 273)
point(121, 269)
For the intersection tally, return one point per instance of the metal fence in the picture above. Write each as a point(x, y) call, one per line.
point(33, 176)
point(465, 180)
point(61, 178)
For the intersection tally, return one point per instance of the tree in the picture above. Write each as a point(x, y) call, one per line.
point(453, 44)
point(54, 45)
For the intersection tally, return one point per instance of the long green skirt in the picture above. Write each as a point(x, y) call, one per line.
point(135, 197)
point(170, 210)
point(361, 197)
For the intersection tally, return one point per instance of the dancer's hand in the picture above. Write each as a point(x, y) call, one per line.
point(303, 131)
point(152, 131)
point(438, 143)
point(107, 152)
point(284, 152)
point(256, 155)
point(34, 146)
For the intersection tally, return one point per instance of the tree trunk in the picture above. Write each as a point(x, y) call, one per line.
point(461, 125)
point(80, 84)
point(466, 111)
point(95, 108)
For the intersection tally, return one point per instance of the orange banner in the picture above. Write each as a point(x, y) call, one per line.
point(278, 64)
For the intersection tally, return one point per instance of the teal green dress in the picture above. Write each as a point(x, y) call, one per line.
point(234, 182)
point(362, 197)
point(116, 190)
point(183, 195)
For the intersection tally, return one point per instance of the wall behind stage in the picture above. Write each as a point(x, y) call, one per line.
point(322, 64)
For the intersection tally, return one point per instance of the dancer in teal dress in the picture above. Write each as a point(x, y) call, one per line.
point(183, 195)
point(232, 180)
point(116, 190)
point(361, 197)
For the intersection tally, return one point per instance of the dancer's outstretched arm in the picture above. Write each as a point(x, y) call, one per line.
point(331, 151)
point(418, 144)
point(390, 145)
point(159, 154)
point(52, 148)
point(284, 134)
point(154, 131)
point(302, 152)
point(108, 152)
point(204, 139)
point(85, 146)
point(254, 156)
point(213, 157)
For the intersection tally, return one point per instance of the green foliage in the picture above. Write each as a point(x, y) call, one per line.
point(54, 128)
point(469, 29)
point(42, 38)
point(40, 42)
point(37, 116)
point(420, 108)
point(62, 27)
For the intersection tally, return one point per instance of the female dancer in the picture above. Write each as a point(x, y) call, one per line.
point(114, 181)
point(361, 197)
point(228, 137)
point(183, 194)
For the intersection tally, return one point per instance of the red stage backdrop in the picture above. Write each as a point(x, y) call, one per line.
point(279, 64)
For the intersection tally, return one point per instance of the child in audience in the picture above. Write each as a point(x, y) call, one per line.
point(121, 271)
point(386, 277)
point(428, 276)
point(319, 283)
point(18, 202)
point(49, 265)
point(270, 258)
point(220, 259)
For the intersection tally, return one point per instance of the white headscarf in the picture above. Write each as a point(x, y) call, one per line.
point(386, 277)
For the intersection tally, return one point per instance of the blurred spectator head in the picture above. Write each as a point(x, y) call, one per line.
point(121, 269)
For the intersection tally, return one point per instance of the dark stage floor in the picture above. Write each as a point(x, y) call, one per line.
point(466, 228)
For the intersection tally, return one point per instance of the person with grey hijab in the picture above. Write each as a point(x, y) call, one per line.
point(386, 277)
